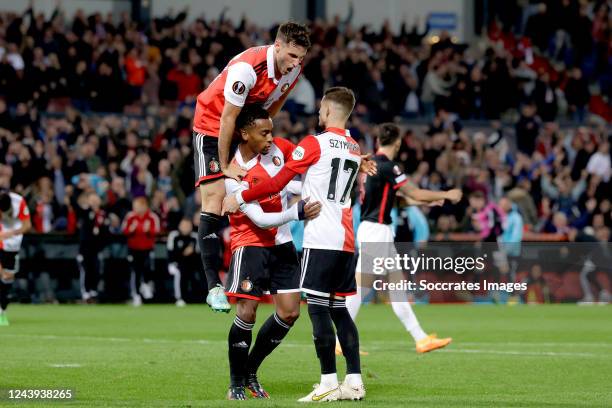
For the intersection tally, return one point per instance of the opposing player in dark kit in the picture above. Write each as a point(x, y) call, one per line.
point(378, 200)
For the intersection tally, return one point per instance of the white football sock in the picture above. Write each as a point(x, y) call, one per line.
point(353, 380)
point(404, 312)
point(329, 381)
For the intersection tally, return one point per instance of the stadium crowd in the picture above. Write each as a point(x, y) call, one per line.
point(528, 72)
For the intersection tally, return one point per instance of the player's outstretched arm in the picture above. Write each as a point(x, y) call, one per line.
point(368, 166)
point(231, 203)
point(302, 210)
point(304, 155)
point(409, 201)
point(410, 191)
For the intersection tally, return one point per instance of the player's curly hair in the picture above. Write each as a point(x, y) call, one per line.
point(388, 133)
point(249, 114)
point(294, 33)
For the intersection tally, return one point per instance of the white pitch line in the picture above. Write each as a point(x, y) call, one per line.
point(545, 344)
point(520, 353)
point(67, 365)
point(110, 339)
point(376, 345)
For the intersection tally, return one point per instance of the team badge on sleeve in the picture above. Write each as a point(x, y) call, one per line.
point(284, 88)
point(238, 88)
point(298, 153)
point(276, 160)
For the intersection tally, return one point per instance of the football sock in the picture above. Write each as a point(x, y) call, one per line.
point(210, 247)
point(4, 294)
point(353, 380)
point(270, 335)
point(329, 381)
point(404, 312)
point(347, 335)
point(239, 342)
point(323, 333)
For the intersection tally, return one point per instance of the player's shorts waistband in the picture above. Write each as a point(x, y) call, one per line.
point(202, 133)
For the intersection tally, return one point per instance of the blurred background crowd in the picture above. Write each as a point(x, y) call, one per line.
point(103, 104)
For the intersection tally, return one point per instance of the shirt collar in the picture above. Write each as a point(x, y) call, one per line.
point(270, 59)
point(338, 131)
point(250, 164)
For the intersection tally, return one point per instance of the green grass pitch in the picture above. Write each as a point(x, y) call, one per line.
point(162, 356)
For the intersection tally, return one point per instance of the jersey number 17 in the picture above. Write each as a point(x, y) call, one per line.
point(348, 166)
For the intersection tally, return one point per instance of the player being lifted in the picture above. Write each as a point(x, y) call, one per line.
point(263, 256)
point(330, 162)
point(375, 226)
point(263, 75)
point(15, 221)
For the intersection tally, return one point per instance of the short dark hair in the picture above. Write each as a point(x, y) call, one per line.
point(294, 33)
point(388, 133)
point(5, 202)
point(249, 114)
point(477, 194)
point(342, 96)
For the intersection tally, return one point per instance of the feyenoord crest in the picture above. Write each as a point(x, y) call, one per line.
point(276, 160)
point(246, 285)
point(238, 88)
point(284, 88)
point(214, 166)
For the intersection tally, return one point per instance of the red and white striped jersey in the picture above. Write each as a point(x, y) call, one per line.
point(260, 169)
point(13, 220)
point(249, 77)
point(330, 162)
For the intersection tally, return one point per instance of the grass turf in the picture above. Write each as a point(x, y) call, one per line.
point(522, 356)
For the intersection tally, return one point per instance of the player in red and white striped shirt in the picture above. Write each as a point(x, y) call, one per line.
point(264, 259)
point(14, 222)
point(329, 162)
point(263, 75)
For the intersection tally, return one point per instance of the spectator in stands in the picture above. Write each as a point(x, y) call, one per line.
point(545, 98)
point(164, 181)
point(599, 164)
point(527, 129)
point(563, 190)
point(135, 67)
point(540, 27)
point(577, 95)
